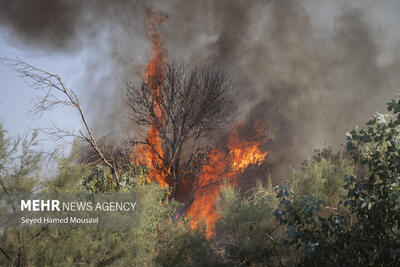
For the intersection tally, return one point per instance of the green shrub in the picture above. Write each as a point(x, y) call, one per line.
point(322, 177)
point(370, 235)
point(247, 231)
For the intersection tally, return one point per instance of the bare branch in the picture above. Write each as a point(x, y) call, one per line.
point(38, 233)
point(5, 254)
point(8, 195)
point(184, 105)
point(56, 94)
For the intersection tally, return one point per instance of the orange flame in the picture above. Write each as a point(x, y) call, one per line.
point(221, 165)
point(152, 155)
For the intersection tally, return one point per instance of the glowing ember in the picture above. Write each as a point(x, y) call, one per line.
point(152, 156)
point(221, 165)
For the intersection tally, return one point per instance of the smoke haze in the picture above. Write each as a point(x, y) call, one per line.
point(307, 70)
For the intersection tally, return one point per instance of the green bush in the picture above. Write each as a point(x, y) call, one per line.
point(370, 235)
point(20, 164)
point(322, 177)
point(247, 232)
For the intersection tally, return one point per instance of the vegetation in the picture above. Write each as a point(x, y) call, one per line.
point(367, 235)
point(340, 209)
point(247, 232)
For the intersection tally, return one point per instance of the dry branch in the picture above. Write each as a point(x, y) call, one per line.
point(185, 105)
point(56, 94)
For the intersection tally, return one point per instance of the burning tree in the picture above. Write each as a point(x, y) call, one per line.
point(181, 106)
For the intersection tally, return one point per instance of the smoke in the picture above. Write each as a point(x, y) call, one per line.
point(43, 23)
point(307, 83)
point(308, 71)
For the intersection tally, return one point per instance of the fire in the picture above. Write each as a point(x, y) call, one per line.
point(221, 166)
point(152, 155)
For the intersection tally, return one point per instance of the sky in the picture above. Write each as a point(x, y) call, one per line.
point(16, 95)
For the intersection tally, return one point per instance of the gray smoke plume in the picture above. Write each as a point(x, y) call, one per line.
point(308, 71)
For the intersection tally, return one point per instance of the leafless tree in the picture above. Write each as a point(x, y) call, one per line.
point(56, 94)
point(185, 105)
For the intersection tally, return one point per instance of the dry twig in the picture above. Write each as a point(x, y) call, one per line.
point(56, 94)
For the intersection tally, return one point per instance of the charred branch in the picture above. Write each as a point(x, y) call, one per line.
point(185, 105)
